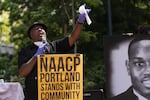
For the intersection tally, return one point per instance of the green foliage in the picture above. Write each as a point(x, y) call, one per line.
point(127, 15)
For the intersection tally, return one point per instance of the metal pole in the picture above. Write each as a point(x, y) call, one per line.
point(109, 17)
point(73, 24)
point(73, 16)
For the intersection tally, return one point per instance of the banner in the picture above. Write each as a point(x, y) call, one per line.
point(60, 77)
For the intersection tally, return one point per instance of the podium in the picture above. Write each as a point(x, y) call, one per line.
point(60, 77)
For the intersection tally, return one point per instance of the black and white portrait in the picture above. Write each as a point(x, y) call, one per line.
point(127, 60)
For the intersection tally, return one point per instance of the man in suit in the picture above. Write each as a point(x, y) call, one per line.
point(138, 67)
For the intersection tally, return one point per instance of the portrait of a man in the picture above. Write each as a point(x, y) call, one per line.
point(134, 55)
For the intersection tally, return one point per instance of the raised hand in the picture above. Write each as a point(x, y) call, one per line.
point(84, 14)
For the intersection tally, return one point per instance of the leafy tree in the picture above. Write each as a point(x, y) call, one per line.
point(60, 16)
point(55, 14)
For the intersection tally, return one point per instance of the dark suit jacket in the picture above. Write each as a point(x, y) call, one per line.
point(127, 95)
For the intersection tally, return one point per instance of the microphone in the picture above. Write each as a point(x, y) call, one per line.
point(44, 40)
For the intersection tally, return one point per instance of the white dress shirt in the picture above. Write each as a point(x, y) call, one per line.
point(140, 97)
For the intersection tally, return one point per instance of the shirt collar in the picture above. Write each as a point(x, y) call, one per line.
point(140, 97)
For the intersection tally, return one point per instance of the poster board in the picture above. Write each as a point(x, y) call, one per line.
point(60, 77)
point(116, 54)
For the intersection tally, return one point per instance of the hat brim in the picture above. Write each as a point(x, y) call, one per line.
point(36, 24)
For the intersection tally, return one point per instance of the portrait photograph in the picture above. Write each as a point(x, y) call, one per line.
point(127, 60)
point(115, 48)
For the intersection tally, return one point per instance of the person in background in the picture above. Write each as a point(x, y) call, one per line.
point(27, 57)
point(143, 29)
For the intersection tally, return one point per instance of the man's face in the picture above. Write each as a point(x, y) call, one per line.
point(139, 67)
point(37, 32)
